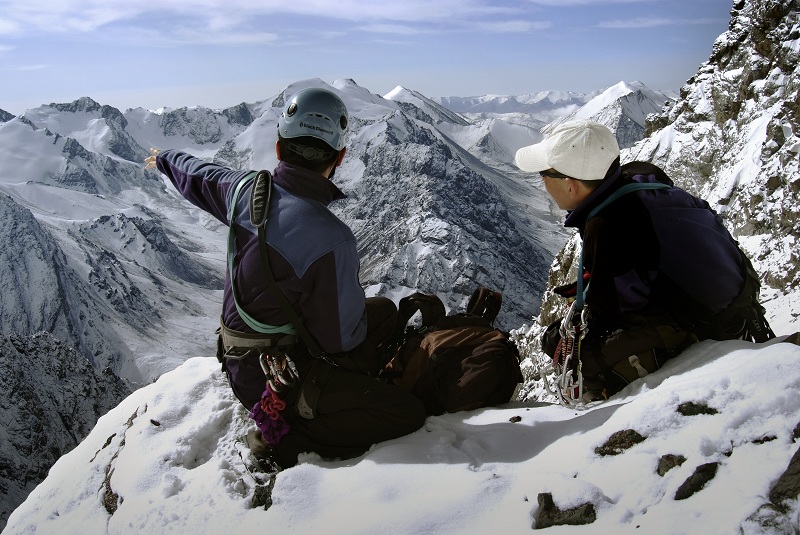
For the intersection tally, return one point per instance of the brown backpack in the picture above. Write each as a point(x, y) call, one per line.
point(454, 363)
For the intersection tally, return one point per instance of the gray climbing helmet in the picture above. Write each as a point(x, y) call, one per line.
point(315, 112)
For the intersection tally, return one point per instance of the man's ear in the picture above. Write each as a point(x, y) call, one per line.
point(574, 187)
point(278, 149)
point(577, 190)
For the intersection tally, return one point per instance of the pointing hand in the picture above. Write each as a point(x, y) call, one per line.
point(150, 161)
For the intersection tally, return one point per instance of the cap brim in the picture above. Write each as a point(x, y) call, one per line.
point(532, 158)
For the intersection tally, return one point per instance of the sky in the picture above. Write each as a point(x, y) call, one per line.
point(168, 458)
point(218, 53)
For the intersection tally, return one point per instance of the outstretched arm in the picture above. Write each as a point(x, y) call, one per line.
point(206, 185)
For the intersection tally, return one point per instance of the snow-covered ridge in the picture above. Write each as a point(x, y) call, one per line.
point(166, 460)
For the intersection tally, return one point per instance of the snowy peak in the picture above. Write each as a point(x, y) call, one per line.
point(436, 113)
point(101, 128)
point(5, 116)
point(623, 108)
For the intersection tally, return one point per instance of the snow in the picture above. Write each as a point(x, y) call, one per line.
point(169, 453)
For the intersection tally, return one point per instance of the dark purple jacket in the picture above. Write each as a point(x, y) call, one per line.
point(312, 253)
point(662, 249)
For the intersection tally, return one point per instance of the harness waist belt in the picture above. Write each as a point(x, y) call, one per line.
point(245, 341)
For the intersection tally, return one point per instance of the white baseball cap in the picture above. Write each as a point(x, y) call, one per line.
point(579, 149)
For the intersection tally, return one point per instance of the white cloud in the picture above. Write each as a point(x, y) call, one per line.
point(22, 68)
point(642, 22)
point(220, 15)
point(650, 22)
point(8, 27)
point(397, 29)
point(513, 26)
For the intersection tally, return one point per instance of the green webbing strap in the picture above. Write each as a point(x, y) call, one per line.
point(580, 295)
point(249, 320)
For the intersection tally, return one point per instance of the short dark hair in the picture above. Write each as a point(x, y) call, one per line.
point(294, 151)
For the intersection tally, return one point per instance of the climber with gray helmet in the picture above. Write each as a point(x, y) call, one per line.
point(299, 341)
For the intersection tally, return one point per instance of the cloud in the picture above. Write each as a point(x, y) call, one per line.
point(22, 68)
point(650, 22)
point(641, 22)
point(8, 27)
point(397, 29)
point(512, 26)
point(89, 15)
point(31, 67)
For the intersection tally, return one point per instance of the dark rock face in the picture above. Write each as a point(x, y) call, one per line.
point(50, 399)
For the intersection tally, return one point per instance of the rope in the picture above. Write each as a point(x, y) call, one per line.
point(268, 418)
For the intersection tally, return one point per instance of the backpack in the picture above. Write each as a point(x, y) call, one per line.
point(715, 314)
point(722, 290)
point(454, 363)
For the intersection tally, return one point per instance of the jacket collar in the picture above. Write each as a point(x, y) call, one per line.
point(577, 217)
point(305, 183)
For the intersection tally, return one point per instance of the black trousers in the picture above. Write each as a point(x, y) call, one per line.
point(352, 410)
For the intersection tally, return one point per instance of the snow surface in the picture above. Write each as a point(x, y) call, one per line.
point(169, 453)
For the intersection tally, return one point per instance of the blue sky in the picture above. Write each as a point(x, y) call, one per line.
point(219, 53)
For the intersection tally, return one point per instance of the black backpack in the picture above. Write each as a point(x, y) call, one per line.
point(454, 363)
point(702, 311)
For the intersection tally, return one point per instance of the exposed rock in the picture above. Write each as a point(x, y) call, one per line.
point(788, 485)
point(697, 481)
point(691, 408)
point(548, 514)
point(768, 520)
point(619, 442)
point(668, 462)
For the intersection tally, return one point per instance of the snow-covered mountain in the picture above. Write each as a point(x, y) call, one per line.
point(50, 399)
point(544, 105)
point(429, 216)
point(623, 107)
point(436, 206)
point(41, 292)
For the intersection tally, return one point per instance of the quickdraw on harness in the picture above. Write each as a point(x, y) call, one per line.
point(272, 341)
point(566, 363)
